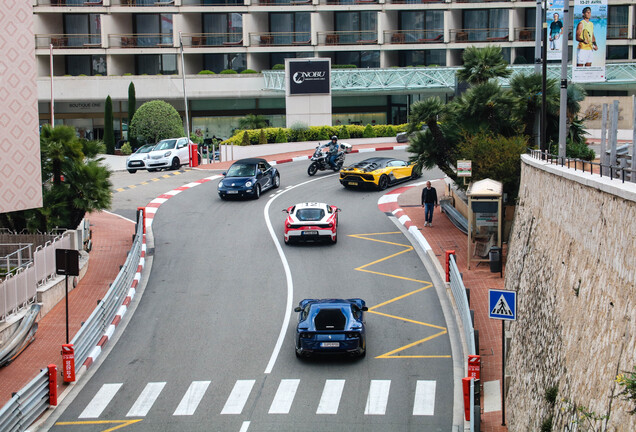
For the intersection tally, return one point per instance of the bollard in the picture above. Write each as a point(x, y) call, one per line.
point(52, 385)
point(447, 268)
point(68, 363)
point(143, 217)
point(466, 388)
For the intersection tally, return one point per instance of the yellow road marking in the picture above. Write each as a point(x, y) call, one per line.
point(144, 183)
point(373, 309)
point(120, 423)
point(155, 179)
point(132, 186)
point(166, 176)
point(120, 189)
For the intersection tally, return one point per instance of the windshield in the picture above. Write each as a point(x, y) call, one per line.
point(241, 170)
point(166, 144)
point(310, 214)
point(145, 149)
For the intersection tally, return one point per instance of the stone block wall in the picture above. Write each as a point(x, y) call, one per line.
point(572, 261)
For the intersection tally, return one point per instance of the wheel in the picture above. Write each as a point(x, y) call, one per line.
point(313, 168)
point(175, 164)
point(415, 174)
point(132, 171)
point(383, 183)
point(335, 239)
point(257, 191)
point(338, 166)
point(276, 181)
point(222, 197)
point(298, 355)
point(362, 354)
point(152, 169)
point(287, 240)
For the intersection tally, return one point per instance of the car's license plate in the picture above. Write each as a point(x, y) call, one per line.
point(330, 344)
point(310, 232)
point(232, 192)
point(353, 183)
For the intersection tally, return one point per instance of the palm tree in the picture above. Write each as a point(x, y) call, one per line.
point(482, 64)
point(252, 121)
point(526, 91)
point(58, 147)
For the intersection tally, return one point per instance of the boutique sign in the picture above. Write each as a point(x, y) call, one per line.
point(308, 77)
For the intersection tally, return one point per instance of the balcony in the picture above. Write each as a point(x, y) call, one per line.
point(203, 40)
point(141, 40)
point(617, 31)
point(144, 3)
point(70, 41)
point(415, 1)
point(79, 3)
point(490, 35)
point(212, 2)
point(525, 34)
point(280, 39)
point(284, 2)
point(366, 37)
point(414, 36)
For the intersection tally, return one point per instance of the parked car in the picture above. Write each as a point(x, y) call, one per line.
point(169, 153)
point(329, 326)
point(248, 177)
point(378, 172)
point(311, 221)
point(137, 160)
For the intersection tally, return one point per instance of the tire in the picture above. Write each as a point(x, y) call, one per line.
point(175, 164)
point(335, 239)
point(313, 169)
point(383, 183)
point(152, 169)
point(287, 241)
point(257, 191)
point(415, 175)
point(276, 182)
point(222, 197)
point(132, 171)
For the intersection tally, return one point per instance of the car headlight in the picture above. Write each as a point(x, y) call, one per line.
point(248, 183)
point(287, 224)
point(306, 335)
point(353, 335)
point(220, 185)
point(166, 154)
point(330, 225)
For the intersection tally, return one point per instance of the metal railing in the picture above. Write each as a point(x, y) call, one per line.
point(70, 41)
point(212, 39)
point(363, 37)
point(461, 301)
point(595, 168)
point(20, 256)
point(480, 35)
point(141, 40)
point(30, 402)
point(414, 36)
point(280, 38)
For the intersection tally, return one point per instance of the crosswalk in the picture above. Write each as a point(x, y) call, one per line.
point(377, 399)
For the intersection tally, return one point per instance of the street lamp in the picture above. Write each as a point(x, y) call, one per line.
point(51, 67)
point(185, 94)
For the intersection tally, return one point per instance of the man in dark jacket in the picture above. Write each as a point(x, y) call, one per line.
point(429, 201)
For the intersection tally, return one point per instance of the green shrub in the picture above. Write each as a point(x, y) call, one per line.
point(546, 425)
point(228, 72)
point(281, 136)
point(249, 71)
point(155, 120)
point(355, 131)
point(368, 132)
point(262, 139)
point(127, 74)
point(323, 134)
point(379, 130)
point(207, 72)
point(246, 139)
point(125, 149)
point(343, 132)
point(389, 132)
point(298, 132)
point(278, 66)
point(343, 66)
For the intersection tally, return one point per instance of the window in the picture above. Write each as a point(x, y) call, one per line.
point(356, 26)
point(617, 52)
point(154, 64)
point(485, 24)
point(362, 59)
point(418, 25)
point(157, 27)
point(218, 62)
point(85, 65)
point(422, 58)
point(279, 58)
point(296, 27)
point(617, 23)
point(82, 29)
point(223, 28)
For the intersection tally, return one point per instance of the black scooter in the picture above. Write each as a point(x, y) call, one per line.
point(320, 161)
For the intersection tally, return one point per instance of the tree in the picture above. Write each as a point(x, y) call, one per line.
point(262, 139)
point(526, 90)
point(482, 64)
point(109, 133)
point(156, 120)
point(132, 107)
point(252, 121)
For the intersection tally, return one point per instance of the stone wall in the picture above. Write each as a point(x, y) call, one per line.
point(572, 260)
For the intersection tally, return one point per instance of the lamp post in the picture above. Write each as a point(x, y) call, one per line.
point(564, 82)
point(185, 94)
point(51, 68)
point(544, 59)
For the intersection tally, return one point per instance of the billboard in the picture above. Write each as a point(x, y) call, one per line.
point(554, 20)
point(309, 77)
point(590, 34)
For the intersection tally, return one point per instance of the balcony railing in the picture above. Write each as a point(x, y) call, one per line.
point(70, 3)
point(349, 2)
point(617, 31)
point(212, 39)
point(415, 1)
point(366, 37)
point(212, 2)
point(71, 41)
point(280, 39)
point(525, 34)
point(284, 2)
point(491, 35)
point(414, 36)
point(141, 40)
point(144, 3)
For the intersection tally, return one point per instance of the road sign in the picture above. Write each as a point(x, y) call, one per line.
point(502, 304)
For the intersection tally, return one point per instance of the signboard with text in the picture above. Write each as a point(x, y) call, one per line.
point(309, 77)
point(590, 35)
point(464, 168)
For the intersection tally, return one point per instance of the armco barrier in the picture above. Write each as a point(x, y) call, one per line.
point(30, 402)
point(459, 294)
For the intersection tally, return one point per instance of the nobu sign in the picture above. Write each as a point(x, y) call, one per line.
point(309, 77)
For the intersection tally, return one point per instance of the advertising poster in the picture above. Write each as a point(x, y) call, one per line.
point(590, 34)
point(556, 28)
point(309, 77)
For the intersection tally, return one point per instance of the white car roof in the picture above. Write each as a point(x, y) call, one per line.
point(311, 205)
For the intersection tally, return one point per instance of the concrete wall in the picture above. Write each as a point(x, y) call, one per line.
point(572, 261)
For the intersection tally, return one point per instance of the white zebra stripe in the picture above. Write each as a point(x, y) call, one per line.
point(330, 399)
point(146, 399)
point(192, 398)
point(100, 401)
point(378, 397)
point(424, 403)
point(284, 396)
point(236, 402)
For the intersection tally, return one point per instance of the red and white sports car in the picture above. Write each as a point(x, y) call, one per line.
point(311, 221)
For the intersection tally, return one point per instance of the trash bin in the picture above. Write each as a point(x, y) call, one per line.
point(494, 255)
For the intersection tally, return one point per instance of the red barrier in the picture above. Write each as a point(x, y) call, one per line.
point(68, 362)
point(447, 262)
point(474, 366)
point(466, 388)
point(194, 155)
point(52, 385)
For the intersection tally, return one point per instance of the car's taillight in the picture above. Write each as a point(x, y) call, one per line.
point(353, 335)
point(287, 224)
point(330, 225)
point(306, 335)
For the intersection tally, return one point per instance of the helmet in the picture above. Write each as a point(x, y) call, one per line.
point(334, 138)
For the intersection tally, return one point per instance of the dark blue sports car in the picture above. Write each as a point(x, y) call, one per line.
point(331, 326)
point(248, 177)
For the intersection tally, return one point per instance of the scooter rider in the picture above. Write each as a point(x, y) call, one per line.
point(333, 151)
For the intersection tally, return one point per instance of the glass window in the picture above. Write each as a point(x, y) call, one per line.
point(617, 52)
point(82, 29)
point(158, 27)
point(617, 22)
point(296, 27)
point(219, 62)
point(355, 26)
point(362, 59)
point(484, 24)
point(422, 58)
point(421, 24)
point(85, 65)
point(222, 28)
point(279, 58)
point(154, 64)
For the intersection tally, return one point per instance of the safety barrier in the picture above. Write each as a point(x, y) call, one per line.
point(461, 301)
point(30, 402)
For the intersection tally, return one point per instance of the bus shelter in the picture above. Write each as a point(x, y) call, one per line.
point(484, 219)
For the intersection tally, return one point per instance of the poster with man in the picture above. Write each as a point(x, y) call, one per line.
point(556, 28)
point(590, 34)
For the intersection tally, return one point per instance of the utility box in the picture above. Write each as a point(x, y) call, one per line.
point(194, 155)
point(68, 363)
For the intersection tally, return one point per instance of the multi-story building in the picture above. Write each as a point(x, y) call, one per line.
point(100, 46)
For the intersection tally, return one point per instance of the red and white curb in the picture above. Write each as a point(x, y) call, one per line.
point(362, 150)
point(150, 211)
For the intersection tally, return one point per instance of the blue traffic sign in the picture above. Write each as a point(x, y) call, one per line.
point(502, 304)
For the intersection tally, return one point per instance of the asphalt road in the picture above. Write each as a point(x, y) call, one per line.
point(210, 344)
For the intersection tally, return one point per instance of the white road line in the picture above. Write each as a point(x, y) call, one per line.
point(236, 402)
point(330, 399)
point(100, 401)
point(146, 399)
point(378, 397)
point(245, 426)
point(424, 403)
point(284, 396)
point(288, 276)
point(192, 398)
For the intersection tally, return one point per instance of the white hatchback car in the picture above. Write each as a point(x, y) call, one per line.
point(170, 153)
point(137, 160)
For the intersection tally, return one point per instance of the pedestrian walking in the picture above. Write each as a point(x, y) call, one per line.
point(429, 202)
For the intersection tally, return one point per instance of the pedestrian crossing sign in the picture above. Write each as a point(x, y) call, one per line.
point(502, 304)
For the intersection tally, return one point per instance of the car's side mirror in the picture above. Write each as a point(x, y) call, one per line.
point(364, 308)
point(285, 211)
point(338, 209)
point(224, 173)
point(297, 309)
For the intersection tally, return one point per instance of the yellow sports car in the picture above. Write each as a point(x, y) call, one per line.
point(377, 172)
